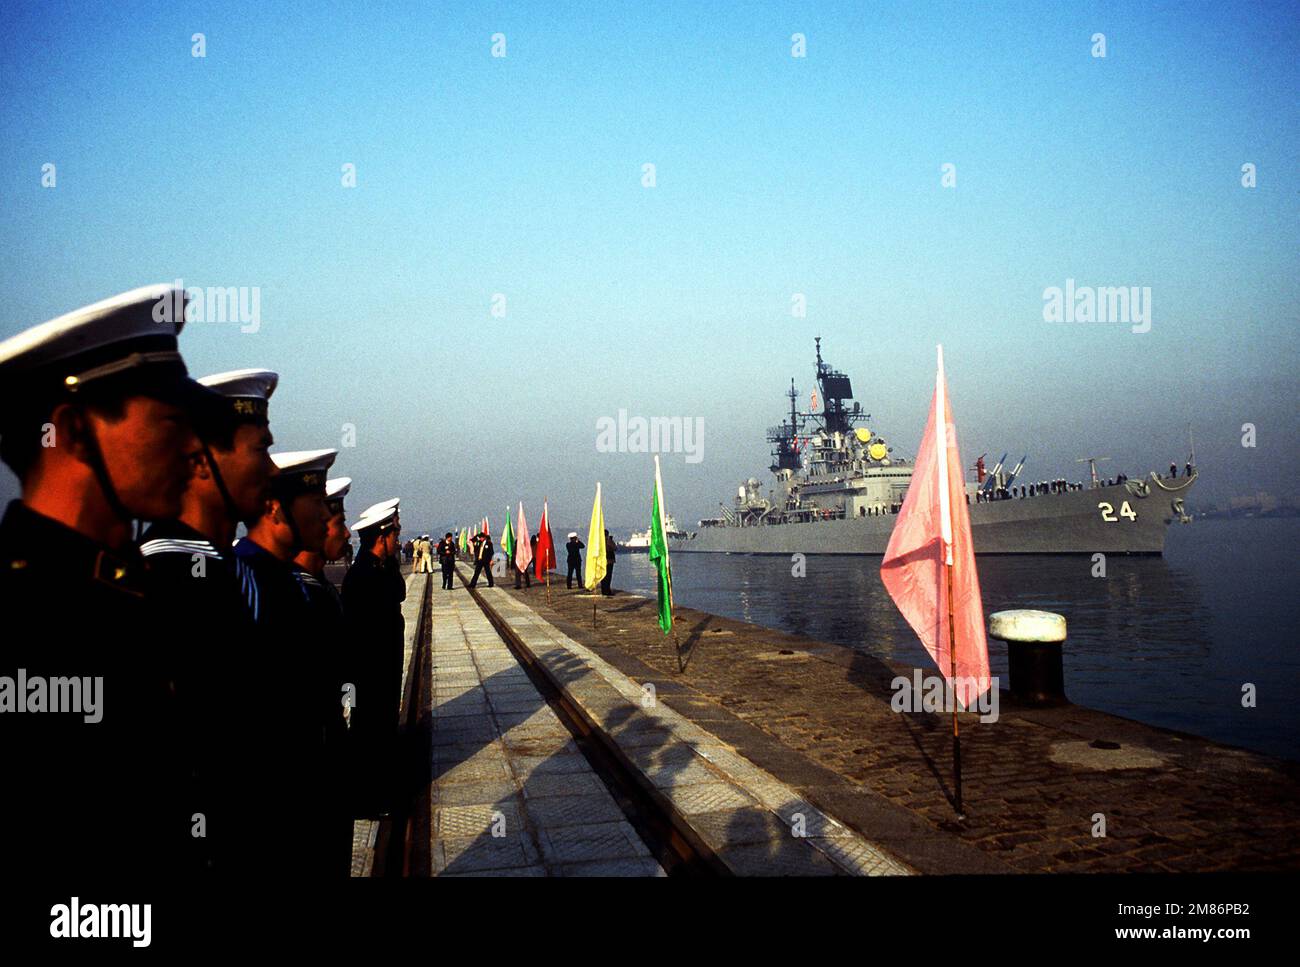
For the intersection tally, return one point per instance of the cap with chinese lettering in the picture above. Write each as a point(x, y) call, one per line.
point(246, 393)
point(301, 472)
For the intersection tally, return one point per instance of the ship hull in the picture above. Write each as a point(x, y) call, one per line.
point(1109, 520)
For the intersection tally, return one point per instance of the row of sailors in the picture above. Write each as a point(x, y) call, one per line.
point(187, 704)
point(1058, 486)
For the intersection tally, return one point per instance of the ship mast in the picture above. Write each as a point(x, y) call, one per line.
point(786, 437)
point(836, 417)
point(1092, 468)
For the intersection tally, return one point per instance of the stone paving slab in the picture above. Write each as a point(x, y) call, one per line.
point(756, 824)
point(510, 794)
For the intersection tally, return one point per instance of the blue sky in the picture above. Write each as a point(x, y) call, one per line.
point(775, 175)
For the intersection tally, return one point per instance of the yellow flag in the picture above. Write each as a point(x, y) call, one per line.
point(594, 572)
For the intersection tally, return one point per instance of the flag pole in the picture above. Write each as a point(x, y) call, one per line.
point(546, 571)
point(946, 539)
point(663, 529)
point(956, 733)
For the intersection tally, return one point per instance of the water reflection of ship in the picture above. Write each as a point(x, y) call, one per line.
point(639, 542)
point(839, 486)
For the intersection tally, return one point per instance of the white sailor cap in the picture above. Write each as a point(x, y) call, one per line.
point(123, 345)
point(390, 504)
point(336, 488)
point(378, 516)
point(573, 533)
point(301, 471)
point(246, 391)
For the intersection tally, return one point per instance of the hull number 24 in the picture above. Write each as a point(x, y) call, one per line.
point(1108, 512)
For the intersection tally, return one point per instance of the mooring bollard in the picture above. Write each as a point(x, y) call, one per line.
point(1033, 654)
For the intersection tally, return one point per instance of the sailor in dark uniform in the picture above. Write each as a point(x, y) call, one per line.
point(203, 588)
point(393, 563)
point(96, 417)
point(483, 552)
point(283, 693)
point(374, 627)
point(447, 561)
point(611, 550)
point(326, 606)
point(574, 547)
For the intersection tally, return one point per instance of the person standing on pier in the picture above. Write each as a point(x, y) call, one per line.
point(574, 547)
point(447, 560)
point(373, 625)
point(326, 608)
point(607, 583)
point(483, 560)
point(203, 586)
point(281, 730)
point(96, 422)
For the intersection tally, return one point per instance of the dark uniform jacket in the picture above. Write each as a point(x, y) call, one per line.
point(328, 665)
point(280, 709)
point(447, 551)
point(85, 802)
point(575, 547)
point(326, 637)
point(210, 598)
point(374, 628)
point(483, 553)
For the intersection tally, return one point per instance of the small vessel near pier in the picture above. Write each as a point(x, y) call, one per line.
point(639, 542)
point(839, 486)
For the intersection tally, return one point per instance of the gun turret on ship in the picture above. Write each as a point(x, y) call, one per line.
point(838, 487)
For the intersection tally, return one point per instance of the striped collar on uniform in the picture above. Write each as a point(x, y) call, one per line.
point(165, 545)
point(176, 537)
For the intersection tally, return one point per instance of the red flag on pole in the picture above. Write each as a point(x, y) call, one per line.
point(545, 560)
point(933, 534)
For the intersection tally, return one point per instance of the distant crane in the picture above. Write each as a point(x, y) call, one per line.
point(1092, 468)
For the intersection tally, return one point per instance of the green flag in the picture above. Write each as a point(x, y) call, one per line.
point(508, 538)
point(464, 543)
point(659, 554)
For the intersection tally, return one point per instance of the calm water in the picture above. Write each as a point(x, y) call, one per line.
point(1167, 641)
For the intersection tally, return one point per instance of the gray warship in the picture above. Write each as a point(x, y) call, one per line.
point(839, 487)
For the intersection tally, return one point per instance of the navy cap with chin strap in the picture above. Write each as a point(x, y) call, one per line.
point(113, 349)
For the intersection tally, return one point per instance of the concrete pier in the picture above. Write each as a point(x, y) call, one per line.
point(772, 754)
point(1046, 789)
point(510, 794)
point(747, 819)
